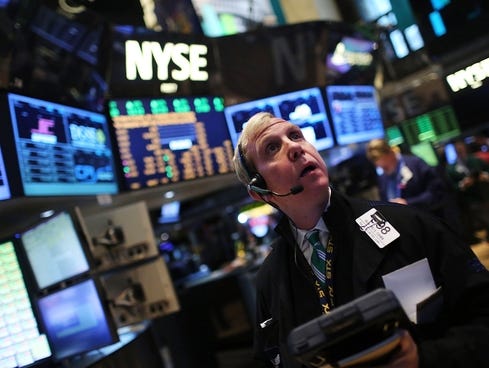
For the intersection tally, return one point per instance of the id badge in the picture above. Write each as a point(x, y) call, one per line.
point(377, 228)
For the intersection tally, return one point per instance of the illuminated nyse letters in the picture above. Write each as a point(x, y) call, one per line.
point(190, 60)
point(472, 76)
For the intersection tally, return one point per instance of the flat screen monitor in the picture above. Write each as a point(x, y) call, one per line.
point(21, 343)
point(119, 236)
point(355, 113)
point(55, 250)
point(304, 108)
point(61, 150)
point(170, 140)
point(76, 320)
point(4, 183)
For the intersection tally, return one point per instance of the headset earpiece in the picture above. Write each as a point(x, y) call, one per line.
point(257, 183)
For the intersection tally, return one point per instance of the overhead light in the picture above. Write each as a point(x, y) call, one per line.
point(46, 214)
point(170, 194)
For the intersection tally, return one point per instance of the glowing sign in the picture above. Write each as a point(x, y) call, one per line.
point(472, 76)
point(176, 60)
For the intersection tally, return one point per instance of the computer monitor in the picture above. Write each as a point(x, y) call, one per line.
point(119, 236)
point(304, 108)
point(21, 342)
point(76, 319)
point(4, 183)
point(355, 113)
point(171, 139)
point(55, 249)
point(61, 150)
point(433, 126)
point(140, 292)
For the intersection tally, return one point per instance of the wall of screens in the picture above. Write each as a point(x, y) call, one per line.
point(149, 142)
point(61, 150)
point(304, 107)
point(169, 140)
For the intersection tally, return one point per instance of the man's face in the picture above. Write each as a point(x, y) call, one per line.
point(387, 162)
point(285, 159)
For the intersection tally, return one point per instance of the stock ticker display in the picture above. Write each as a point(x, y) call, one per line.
point(169, 140)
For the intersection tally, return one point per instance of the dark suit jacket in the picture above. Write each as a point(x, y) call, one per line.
point(286, 294)
point(425, 189)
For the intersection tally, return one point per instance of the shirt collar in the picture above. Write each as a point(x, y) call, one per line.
point(301, 234)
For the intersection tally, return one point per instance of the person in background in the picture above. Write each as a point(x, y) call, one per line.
point(469, 176)
point(407, 179)
point(279, 167)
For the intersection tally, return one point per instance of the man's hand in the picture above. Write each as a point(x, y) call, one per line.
point(406, 356)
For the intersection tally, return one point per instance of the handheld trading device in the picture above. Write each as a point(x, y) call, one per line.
point(364, 330)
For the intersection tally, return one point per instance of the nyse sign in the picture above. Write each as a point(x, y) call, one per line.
point(174, 62)
point(472, 76)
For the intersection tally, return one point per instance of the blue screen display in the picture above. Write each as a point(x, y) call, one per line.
point(61, 150)
point(169, 140)
point(75, 320)
point(4, 184)
point(355, 113)
point(304, 108)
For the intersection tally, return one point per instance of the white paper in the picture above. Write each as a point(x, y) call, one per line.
point(411, 284)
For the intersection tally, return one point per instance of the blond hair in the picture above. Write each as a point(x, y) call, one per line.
point(377, 148)
point(243, 166)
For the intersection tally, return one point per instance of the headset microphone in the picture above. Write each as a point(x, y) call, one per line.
point(294, 190)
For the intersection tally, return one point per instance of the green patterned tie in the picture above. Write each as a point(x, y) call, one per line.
point(318, 258)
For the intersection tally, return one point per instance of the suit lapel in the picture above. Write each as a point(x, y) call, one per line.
point(366, 255)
